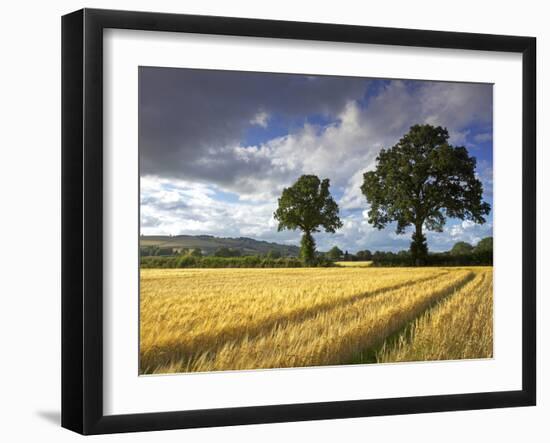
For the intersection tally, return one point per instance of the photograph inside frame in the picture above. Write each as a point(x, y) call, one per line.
point(301, 220)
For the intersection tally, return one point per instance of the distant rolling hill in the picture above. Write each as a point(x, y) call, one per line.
point(208, 244)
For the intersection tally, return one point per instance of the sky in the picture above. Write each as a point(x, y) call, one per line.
point(218, 147)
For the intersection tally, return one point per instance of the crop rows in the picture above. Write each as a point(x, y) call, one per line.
point(459, 328)
point(224, 319)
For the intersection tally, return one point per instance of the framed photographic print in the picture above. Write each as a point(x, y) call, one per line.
point(269, 221)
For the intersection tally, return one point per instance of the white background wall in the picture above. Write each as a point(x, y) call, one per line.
point(30, 218)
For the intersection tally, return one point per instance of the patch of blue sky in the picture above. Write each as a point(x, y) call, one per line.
point(373, 88)
point(255, 135)
point(227, 197)
point(336, 192)
point(479, 138)
point(278, 125)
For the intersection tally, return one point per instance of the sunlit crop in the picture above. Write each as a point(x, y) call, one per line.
point(226, 319)
point(459, 328)
point(356, 264)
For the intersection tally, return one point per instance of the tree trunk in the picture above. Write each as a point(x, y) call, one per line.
point(419, 246)
point(307, 248)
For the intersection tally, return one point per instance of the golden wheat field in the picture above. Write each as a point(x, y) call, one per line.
point(232, 319)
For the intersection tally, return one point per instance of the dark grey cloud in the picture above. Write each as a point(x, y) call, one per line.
point(190, 119)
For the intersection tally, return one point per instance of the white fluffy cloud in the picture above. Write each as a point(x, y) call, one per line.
point(466, 231)
point(260, 119)
point(180, 207)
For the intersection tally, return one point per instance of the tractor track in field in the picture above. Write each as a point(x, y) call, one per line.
point(370, 354)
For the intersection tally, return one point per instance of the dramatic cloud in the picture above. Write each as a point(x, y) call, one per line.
point(218, 147)
point(190, 120)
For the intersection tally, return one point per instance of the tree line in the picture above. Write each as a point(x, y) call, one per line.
point(246, 261)
point(225, 252)
point(461, 254)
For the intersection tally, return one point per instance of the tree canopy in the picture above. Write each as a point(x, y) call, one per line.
point(420, 182)
point(364, 255)
point(335, 253)
point(485, 244)
point(461, 248)
point(307, 205)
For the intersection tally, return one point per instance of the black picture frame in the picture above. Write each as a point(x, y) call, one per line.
point(82, 218)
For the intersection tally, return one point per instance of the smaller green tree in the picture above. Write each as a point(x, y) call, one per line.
point(461, 248)
point(484, 250)
point(485, 245)
point(307, 205)
point(335, 253)
point(365, 255)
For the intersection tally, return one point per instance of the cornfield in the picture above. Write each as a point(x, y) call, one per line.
point(231, 319)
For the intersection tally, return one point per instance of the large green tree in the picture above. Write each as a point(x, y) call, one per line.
point(420, 182)
point(307, 205)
